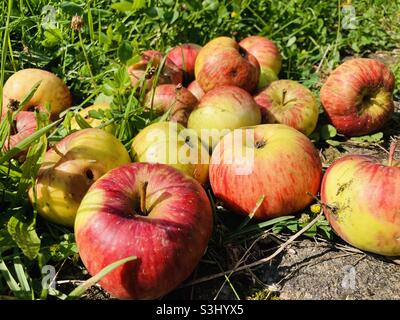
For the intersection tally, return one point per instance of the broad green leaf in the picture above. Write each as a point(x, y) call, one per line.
point(77, 292)
point(25, 236)
point(333, 143)
point(96, 114)
point(328, 131)
point(125, 51)
point(123, 6)
point(369, 138)
point(81, 122)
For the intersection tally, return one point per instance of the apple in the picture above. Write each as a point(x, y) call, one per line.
point(25, 125)
point(277, 162)
point(358, 96)
point(176, 99)
point(223, 109)
point(94, 123)
point(289, 102)
point(151, 211)
point(173, 144)
point(70, 168)
point(267, 55)
point(52, 91)
point(184, 56)
point(361, 198)
point(195, 88)
point(147, 68)
point(223, 62)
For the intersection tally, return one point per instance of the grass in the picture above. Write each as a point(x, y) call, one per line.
point(313, 37)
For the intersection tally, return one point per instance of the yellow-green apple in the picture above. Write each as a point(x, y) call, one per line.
point(153, 212)
point(52, 91)
point(196, 89)
point(94, 123)
point(223, 62)
point(173, 144)
point(184, 56)
point(147, 68)
point(277, 162)
point(25, 125)
point(267, 55)
point(289, 102)
point(223, 109)
point(175, 99)
point(361, 197)
point(358, 96)
point(70, 168)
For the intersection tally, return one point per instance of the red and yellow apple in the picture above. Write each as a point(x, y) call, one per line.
point(171, 143)
point(223, 109)
point(94, 123)
point(70, 168)
point(289, 102)
point(153, 212)
point(223, 62)
point(52, 91)
point(196, 89)
point(277, 162)
point(176, 100)
point(184, 56)
point(358, 96)
point(361, 198)
point(267, 55)
point(147, 68)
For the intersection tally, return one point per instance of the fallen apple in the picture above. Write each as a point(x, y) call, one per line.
point(267, 55)
point(153, 212)
point(147, 68)
point(223, 62)
point(52, 91)
point(361, 198)
point(358, 96)
point(184, 56)
point(223, 109)
point(289, 102)
point(176, 100)
point(283, 167)
point(93, 122)
point(70, 168)
point(196, 89)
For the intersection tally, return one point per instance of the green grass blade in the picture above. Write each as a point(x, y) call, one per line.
point(8, 277)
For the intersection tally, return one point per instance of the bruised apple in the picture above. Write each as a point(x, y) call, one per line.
point(184, 56)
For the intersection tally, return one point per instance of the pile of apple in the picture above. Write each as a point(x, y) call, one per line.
point(156, 208)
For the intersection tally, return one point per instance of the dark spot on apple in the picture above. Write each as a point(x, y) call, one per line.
point(89, 174)
point(243, 52)
point(31, 108)
point(260, 144)
point(13, 104)
point(233, 73)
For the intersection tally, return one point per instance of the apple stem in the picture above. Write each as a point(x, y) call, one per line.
point(393, 146)
point(143, 191)
point(284, 91)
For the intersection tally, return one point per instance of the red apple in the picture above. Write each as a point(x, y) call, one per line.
point(184, 56)
point(289, 102)
point(362, 202)
point(358, 96)
point(153, 212)
point(277, 162)
point(52, 91)
point(179, 100)
point(196, 89)
point(267, 55)
point(223, 62)
point(147, 69)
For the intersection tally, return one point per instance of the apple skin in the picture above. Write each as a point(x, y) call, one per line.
point(170, 73)
point(184, 56)
point(195, 88)
point(177, 98)
point(362, 198)
point(168, 243)
point(163, 142)
point(358, 96)
point(286, 169)
point(223, 62)
point(52, 90)
point(221, 109)
point(265, 51)
point(289, 102)
point(84, 113)
point(25, 125)
point(70, 168)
